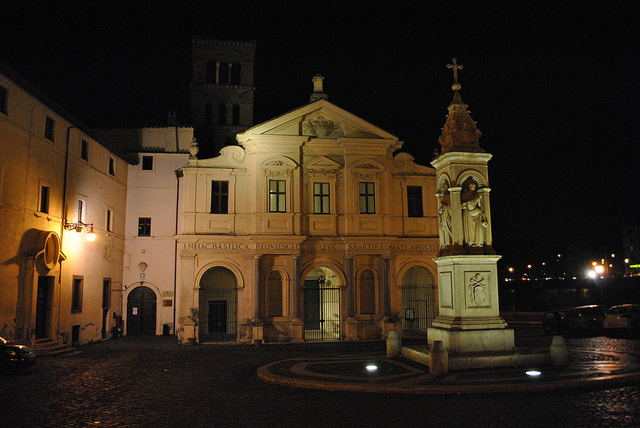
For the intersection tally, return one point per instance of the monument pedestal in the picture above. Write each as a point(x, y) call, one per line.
point(469, 314)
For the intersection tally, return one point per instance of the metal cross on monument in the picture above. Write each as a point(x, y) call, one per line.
point(455, 68)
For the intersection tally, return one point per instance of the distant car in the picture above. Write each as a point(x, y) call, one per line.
point(578, 320)
point(554, 321)
point(623, 318)
point(14, 356)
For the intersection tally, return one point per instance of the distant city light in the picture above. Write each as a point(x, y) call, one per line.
point(599, 269)
point(592, 274)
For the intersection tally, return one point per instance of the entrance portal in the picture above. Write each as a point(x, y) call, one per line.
point(218, 306)
point(418, 302)
point(322, 305)
point(141, 312)
point(43, 306)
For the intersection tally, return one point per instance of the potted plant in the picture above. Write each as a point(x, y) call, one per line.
point(257, 328)
point(194, 316)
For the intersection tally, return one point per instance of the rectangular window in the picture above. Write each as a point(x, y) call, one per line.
point(109, 220)
point(112, 166)
point(222, 114)
point(277, 196)
point(321, 198)
point(4, 94)
point(219, 197)
point(414, 201)
point(81, 207)
point(49, 129)
point(45, 195)
point(106, 293)
point(144, 226)
point(76, 296)
point(147, 163)
point(84, 150)
point(367, 198)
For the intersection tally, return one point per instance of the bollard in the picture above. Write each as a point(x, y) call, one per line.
point(438, 359)
point(393, 344)
point(559, 352)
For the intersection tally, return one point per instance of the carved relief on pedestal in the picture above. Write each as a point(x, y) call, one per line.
point(477, 289)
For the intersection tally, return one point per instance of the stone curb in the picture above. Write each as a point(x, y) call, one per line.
point(433, 386)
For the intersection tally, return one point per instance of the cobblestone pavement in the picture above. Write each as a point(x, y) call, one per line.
point(154, 382)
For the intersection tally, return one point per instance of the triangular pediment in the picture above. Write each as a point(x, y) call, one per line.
point(319, 119)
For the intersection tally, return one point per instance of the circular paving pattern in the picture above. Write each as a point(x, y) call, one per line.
point(376, 373)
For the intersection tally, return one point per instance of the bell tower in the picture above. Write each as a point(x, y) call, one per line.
point(469, 314)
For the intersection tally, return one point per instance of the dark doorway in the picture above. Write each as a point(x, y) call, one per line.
point(141, 312)
point(217, 316)
point(321, 305)
point(43, 306)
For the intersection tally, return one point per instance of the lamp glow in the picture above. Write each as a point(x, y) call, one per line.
point(372, 368)
point(533, 373)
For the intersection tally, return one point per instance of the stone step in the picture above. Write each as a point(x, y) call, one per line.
point(52, 348)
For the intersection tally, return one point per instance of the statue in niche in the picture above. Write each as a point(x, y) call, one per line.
point(474, 220)
point(444, 213)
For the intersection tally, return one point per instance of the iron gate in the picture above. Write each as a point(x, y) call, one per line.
point(321, 311)
point(218, 314)
point(418, 310)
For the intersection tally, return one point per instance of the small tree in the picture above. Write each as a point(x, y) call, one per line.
point(194, 316)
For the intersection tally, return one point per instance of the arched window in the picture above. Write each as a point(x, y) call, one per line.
point(367, 292)
point(273, 295)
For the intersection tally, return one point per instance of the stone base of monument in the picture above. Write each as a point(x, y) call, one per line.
point(475, 349)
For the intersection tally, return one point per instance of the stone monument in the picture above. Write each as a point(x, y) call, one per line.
point(469, 316)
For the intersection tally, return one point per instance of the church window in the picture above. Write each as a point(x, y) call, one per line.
point(367, 198)
point(235, 73)
point(277, 196)
point(367, 291)
point(144, 226)
point(45, 195)
point(76, 294)
point(208, 113)
point(321, 198)
point(223, 77)
point(84, 150)
point(236, 115)
point(219, 197)
point(212, 72)
point(3, 99)
point(147, 163)
point(49, 129)
point(222, 114)
point(414, 201)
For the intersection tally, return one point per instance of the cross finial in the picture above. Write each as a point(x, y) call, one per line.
point(455, 68)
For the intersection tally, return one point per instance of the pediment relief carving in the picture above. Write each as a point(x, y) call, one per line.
point(319, 126)
point(323, 166)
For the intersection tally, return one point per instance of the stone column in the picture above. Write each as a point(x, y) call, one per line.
point(294, 292)
point(456, 215)
point(386, 294)
point(484, 195)
point(257, 304)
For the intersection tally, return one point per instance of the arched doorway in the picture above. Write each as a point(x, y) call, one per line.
point(141, 312)
point(418, 302)
point(322, 305)
point(218, 306)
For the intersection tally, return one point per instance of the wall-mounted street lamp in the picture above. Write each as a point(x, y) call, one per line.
point(79, 226)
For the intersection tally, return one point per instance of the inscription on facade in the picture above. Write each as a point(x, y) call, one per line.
point(316, 247)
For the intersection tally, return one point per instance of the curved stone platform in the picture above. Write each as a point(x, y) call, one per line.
point(348, 372)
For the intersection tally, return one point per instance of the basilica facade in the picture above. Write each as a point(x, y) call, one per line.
point(314, 227)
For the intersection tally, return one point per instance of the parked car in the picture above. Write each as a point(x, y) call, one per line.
point(623, 318)
point(14, 356)
point(578, 320)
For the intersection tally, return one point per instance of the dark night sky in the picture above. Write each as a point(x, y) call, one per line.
point(553, 87)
